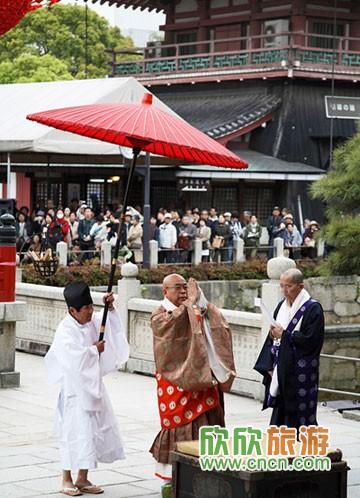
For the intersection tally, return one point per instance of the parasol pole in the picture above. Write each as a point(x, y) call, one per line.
point(146, 226)
point(8, 176)
point(136, 152)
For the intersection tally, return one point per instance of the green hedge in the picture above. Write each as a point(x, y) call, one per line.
point(94, 275)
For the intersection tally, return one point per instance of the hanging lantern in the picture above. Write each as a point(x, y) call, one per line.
point(12, 11)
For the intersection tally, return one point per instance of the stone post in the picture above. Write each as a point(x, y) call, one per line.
point(278, 247)
point(128, 287)
point(105, 253)
point(62, 253)
point(320, 248)
point(19, 273)
point(197, 256)
point(10, 309)
point(10, 313)
point(239, 255)
point(264, 237)
point(154, 253)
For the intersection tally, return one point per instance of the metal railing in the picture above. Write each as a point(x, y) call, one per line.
point(296, 50)
point(337, 391)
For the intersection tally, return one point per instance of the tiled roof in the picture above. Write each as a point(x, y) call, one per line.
point(261, 163)
point(261, 166)
point(219, 113)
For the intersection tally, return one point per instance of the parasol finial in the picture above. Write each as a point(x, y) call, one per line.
point(147, 99)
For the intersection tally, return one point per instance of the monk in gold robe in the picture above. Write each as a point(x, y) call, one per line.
point(194, 366)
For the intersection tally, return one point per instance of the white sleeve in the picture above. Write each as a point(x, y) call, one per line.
point(116, 350)
point(93, 230)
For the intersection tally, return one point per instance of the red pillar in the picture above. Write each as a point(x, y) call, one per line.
point(355, 26)
point(23, 186)
point(298, 22)
point(255, 24)
point(7, 258)
point(202, 34)
point(170, 19)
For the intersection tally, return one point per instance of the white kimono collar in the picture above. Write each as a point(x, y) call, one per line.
point(301, 298)
point(72, 321)
point(168, 305)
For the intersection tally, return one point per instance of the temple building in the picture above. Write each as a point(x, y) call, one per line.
point(253, 74)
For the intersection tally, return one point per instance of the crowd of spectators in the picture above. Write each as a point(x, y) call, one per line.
point(218, 231)
point(84, 230)
point(79, 226)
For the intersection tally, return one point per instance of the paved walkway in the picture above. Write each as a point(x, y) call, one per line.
point(29, 465)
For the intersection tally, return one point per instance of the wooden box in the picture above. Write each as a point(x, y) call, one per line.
point(189, 481)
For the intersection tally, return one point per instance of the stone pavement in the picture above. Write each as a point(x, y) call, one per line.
point(29, 465)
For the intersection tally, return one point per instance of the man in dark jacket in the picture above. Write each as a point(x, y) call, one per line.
point(86, 242)
point(289, 359)
point(273, 227)
point(224, 231)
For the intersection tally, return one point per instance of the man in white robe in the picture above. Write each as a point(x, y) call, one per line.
point(77, 361)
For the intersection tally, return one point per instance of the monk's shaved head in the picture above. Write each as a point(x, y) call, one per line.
point(291, 284)
point(175, 289)
point(173, 279)
point(294, 275)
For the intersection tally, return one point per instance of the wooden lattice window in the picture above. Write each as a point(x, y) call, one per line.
point(325, 28)
point(226, 199)
point(43, 193)
point(164, 195)
point(95, 192)
point(187, 37)
point(259, 200)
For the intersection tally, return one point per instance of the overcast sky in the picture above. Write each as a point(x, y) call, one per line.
point(126, 18)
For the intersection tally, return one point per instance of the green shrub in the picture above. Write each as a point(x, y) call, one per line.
point(340, 191)
point(94, 275)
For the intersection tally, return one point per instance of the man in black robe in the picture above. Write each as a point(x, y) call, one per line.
point(289, 359)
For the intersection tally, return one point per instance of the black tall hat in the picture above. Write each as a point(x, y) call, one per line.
point(77, 295)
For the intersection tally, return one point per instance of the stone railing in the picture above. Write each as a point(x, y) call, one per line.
point(45, 307)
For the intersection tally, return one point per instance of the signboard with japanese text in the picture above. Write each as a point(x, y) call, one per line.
point(194, 184)
point(342, 107)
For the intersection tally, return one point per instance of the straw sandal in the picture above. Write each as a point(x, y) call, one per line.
point(71, 491)
point(91, 489)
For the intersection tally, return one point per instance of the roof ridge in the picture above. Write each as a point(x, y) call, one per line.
point(247, 117)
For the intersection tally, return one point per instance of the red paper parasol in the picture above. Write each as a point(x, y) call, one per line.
point(141, 127)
